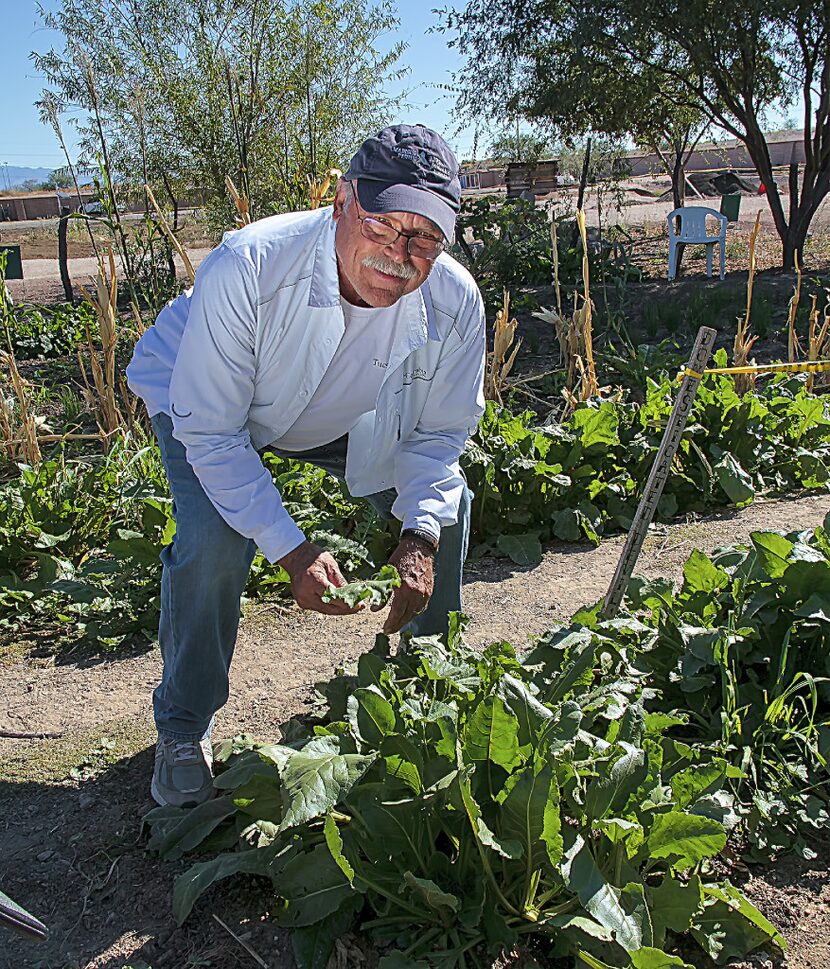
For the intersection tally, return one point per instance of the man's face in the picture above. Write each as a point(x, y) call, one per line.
point(372, 274)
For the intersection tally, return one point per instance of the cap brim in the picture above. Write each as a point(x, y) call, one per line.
point(382, 197)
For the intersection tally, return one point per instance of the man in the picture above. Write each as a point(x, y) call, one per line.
point(345, 337)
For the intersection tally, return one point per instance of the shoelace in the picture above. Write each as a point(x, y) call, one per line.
point(184, 750)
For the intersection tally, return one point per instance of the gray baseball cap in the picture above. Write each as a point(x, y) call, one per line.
point(408, 168)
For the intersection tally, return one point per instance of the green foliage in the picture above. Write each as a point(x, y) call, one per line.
point(743, 651)
point(452, 802)
point(575, 481)
point(80, 541)
point(45, 332)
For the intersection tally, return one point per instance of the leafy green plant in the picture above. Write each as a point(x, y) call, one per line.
point(376, 591)
point(576, 480)
point(744, 647)
point(44, 332)
point(452, 804)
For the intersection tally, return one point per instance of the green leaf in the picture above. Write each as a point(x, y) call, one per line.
point(684, 839)
point(523, 549)
point(609, 791)
point(734, 480)
point(506, 847)
point(371, 715)
point(313, 944)
point(374, 592)
point(700, 575)
point(530, 813)
point(773, 551)
point(492, 733)
point(335, 845)
point(317, 778)
point(600, 898)
point(313, 886)
point(650, 958)
point(196, 880)
point(188, 827)
point(690, 784)
point(674, 904)
point(428, 892)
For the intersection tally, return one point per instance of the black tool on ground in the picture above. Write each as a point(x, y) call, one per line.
point(17, 918)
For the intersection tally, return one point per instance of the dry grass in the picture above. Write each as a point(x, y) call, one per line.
point(19, 425)
point(744, 340)
point(501, 358)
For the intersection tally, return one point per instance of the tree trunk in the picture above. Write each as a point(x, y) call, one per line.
point(63, 261)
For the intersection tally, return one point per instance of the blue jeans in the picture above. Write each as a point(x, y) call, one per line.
point(204, 573)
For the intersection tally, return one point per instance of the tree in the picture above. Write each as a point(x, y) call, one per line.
point(519, 147)
point(269, 92)
point(726, 61)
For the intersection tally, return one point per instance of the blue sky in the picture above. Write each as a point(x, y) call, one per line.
point(25, 141)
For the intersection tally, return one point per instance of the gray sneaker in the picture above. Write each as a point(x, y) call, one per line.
point(183, 773)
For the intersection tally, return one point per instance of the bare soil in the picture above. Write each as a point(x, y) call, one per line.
point(71, 843)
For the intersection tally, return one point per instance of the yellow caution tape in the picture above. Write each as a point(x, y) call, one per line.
point(804, 366)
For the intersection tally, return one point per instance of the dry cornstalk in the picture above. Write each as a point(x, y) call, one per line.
point(19, 430)
point(174, 242)
point(240, 200)
point(575, 332)
point(744, 342)
point(104, 302)
point(794, 350)
point(554, 245)
point(317, 189)
point(817, 337)
point(501, 358)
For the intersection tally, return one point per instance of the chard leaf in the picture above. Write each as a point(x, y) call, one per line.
point(317, 777)
point(684, 839)
point(427, 891)
point(773, 551)
point(374, 592)
point(335, 845)
point(649, 958)
point(690, 784)
point(492, 734)
point(734, 480)
point(700, 575)
point(530, 813)
point(674, 904)
point(507, 848)
point(174, 834)
point(371, 715)
point(197, 879)
point(522, 549)
point(313, 887)
point(727, 895)
point(313, 944)
point(609, 792)
point(600, 898)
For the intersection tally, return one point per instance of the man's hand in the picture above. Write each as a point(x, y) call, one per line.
point(413, 560)
point(313, 571)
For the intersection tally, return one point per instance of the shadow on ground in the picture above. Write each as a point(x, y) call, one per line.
point(74, 855)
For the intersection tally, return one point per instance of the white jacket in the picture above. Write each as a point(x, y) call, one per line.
point(234, 360)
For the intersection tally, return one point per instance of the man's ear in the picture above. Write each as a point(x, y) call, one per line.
point(340, 198)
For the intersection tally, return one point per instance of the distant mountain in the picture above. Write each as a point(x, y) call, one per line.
point(11, 176)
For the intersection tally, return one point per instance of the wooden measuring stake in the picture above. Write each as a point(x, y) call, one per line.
point(660, 470)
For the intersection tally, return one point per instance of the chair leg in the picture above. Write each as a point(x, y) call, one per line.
point(672, 260)
point(709, 260)
point(722, 260)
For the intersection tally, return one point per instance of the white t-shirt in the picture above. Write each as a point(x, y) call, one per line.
point(350, 386)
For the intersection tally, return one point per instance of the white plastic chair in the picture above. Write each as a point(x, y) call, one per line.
point(693, 233)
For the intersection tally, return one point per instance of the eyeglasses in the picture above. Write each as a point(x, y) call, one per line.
point(384, 234)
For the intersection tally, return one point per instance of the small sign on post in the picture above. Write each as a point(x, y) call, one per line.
point(701, 352)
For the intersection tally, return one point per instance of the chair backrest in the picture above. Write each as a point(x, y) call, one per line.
point(693, 222)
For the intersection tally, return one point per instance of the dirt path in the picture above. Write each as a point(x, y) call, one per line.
point(70, 807)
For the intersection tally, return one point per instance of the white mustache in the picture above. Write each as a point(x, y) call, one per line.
point(404, 270)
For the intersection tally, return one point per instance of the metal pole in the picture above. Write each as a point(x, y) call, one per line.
point(660, 470)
